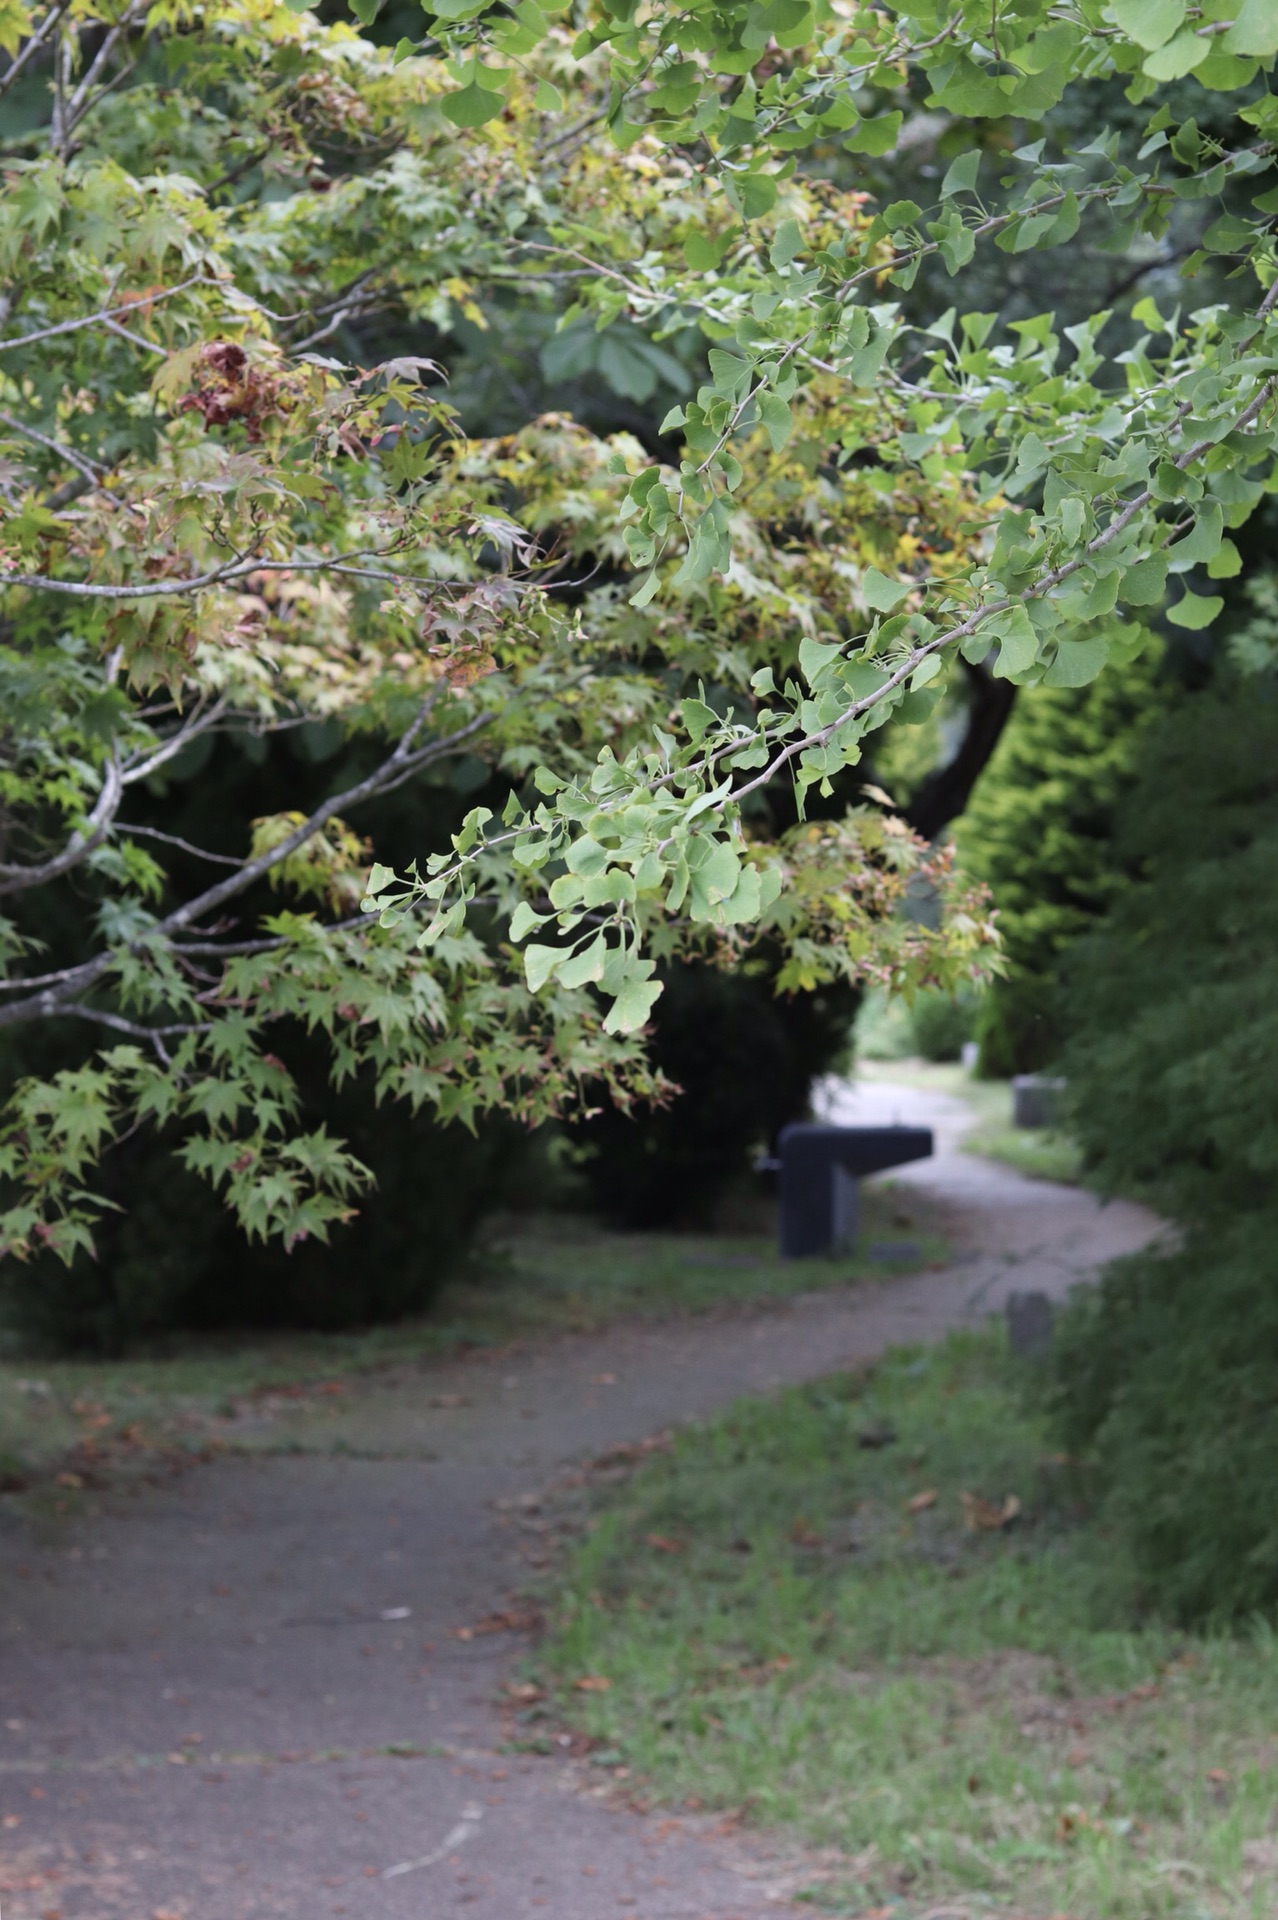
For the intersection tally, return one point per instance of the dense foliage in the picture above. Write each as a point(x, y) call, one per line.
point(231, 509)
point(1170, 1374)
point(1041, 831)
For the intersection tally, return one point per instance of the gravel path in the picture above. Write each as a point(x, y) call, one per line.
point(244, 1695)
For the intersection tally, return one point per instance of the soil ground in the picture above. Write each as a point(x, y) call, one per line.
point(272, 1687)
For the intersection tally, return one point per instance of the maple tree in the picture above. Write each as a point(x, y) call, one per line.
point(226, 513)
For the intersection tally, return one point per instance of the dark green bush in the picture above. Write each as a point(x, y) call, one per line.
point(173, 1259)
point(1039, 829)
point(1168, 1375)
point(942, 1022)
point(745, 1061)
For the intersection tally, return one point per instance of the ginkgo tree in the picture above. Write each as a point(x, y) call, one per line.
point(228, 511)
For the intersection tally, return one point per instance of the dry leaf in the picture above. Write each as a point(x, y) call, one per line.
point(525, 1691)
point(804, 1535)
point(449, 1400)
point(662, 1543)
point(592, 1683)
point(922, 1501)
point(982, 1516)
point(498, 1623)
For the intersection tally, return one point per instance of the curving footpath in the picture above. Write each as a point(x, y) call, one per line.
point(245, 1695)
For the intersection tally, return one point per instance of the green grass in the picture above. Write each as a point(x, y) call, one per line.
point(964, 1714)
point(533, 1276)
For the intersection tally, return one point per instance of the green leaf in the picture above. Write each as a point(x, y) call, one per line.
point(1179, 57)
point(776, 418)
point(633, 1004)
point(1017, 642)
point(788, 242)
point(1194, 611)
point(883, 594)
point(753, 194)
point(525, 920)
point(1145, 584)
point(875, 137)
point(1255, 30)
point(472, 106)
point(539, 964)
point(1077, 662)
point(702, 252)
point(1150, 23)
point(548, 98)
point(585, 966)
point(961, 176)
point(1201, 542)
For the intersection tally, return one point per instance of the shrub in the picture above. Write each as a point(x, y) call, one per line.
point(744, 1061)
point(1039, 830)
point(1168, 1375)
point(172, 1258)
point(942, 1022)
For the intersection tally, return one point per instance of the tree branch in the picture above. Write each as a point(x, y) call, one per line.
point(38, 37)
point(18, 879)
point(62, 991)
point(108, 313)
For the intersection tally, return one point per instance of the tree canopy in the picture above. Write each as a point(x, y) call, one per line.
point(243, 249)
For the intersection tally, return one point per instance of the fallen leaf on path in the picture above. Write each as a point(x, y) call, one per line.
point(524, 1690)
point(983, 1517)
point(592, 1683)
point(662, 1543)
point(499, 1623)
point(604, 1380)
point(72, 1480)
point(449, 1400)
point(922, 1501)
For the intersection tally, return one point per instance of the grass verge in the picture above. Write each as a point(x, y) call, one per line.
point(534, 1276)
point(873, 1612)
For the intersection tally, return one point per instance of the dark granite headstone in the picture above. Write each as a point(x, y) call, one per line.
point(1030, 1318)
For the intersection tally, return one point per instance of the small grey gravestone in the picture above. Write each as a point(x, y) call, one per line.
point(1036, 1099)
point(1030, 1317)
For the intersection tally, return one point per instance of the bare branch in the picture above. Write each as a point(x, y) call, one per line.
point(33, 45)
point(109, 313)
point(198, 724)
point(18, 879)
point(136, 1030)
point(174, 840)
point(399, 765)
point(90, 469)
point(81, 100)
